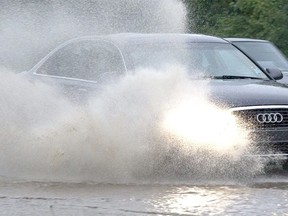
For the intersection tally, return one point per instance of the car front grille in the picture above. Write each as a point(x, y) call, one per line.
point(273, 148)
point(253, 117)
point(282, 147)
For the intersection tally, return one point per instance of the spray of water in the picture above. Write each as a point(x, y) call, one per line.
point(30, 29)
point(125, 133)
point(138, 129)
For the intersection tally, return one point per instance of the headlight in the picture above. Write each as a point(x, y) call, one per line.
point(205, 126)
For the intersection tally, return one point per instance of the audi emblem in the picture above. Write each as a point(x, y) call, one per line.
point(269, 118)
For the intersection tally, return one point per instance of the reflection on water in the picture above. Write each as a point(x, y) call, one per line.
point(197, 200)
point(223, 200)
point(264, 196)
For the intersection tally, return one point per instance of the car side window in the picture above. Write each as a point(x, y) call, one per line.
point(89, 60)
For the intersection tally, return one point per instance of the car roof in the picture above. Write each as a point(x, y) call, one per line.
point(245, 40)
point(166, 37)
point(152, 37)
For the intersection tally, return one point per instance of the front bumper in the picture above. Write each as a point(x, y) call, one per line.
point(270, 142)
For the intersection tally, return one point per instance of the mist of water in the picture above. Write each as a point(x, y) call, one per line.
point(118, 136)
point(29, 29)
point(124, 132)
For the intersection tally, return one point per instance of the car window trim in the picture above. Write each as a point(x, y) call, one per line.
point(65, 78)
point(34, 70)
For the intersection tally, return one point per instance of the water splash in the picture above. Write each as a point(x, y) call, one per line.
point(120, 134)
point(117, 136)
point(29, 30)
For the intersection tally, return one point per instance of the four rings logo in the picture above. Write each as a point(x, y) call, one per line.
point(269, 118)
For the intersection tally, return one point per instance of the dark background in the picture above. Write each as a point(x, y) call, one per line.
point(261, 19)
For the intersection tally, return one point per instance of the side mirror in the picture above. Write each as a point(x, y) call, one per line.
point(275, 73)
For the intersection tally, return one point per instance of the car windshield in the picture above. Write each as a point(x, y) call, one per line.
point(265, 53)
point(201, 60)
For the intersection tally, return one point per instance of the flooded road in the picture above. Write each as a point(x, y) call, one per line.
point(125, 162)
point(265, 195)
point(122, 144)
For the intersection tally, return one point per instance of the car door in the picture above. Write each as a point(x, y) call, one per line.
point(81, 67)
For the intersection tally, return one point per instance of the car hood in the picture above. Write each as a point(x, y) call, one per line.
point(239, 93)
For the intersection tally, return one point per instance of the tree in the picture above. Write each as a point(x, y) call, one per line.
point(263, 19)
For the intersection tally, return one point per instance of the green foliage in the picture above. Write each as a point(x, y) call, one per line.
point(263, 19)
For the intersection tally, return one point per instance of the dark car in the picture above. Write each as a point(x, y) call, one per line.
point(264, 52)
point(236, 83)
